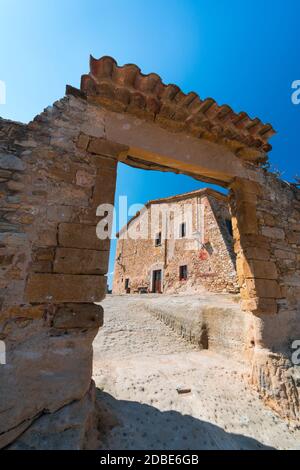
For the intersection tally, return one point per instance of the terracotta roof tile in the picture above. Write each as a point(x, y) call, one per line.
point(127, 89)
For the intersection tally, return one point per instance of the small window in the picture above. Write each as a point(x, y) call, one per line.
point(126, 283)
point(182, 230)
point(229, 227)
point(183, 273)
point(158, 239)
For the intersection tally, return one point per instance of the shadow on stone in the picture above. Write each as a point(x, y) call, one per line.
point(129, 425)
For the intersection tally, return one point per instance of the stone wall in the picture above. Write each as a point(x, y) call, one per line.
point(54, 172)
point(210, 321)
point(267, 246)
point(211, 267)
point(52, 267)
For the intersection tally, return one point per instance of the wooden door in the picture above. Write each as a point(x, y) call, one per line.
point(157, 281)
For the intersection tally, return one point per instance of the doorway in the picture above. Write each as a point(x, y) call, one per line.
point(157, 277)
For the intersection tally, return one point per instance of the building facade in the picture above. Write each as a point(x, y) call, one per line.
point(177, 244)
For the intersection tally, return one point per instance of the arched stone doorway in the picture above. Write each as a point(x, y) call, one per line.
point(58, 169)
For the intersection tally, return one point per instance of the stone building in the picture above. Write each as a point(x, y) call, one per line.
point(181, 243)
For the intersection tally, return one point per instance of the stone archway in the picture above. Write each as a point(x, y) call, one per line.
point(58, 169)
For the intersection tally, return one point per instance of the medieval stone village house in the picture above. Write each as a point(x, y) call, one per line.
point(196, 253)
point(55, 172)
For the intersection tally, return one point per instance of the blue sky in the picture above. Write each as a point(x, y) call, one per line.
point(241, 52)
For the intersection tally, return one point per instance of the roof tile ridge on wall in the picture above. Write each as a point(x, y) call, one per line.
point(126, 89)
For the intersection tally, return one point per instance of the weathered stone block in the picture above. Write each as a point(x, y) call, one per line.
point(87, 216)
point(256, 240)
point(15, 186)
point(5, 227)
point(85, 179)
point(106, 147)
point(6, 260)
point(46, 372)
point(60, 213)
point(11, 162)
point(292, 279)
point(256, 268)
point(295, 227)
point(71, 427)
point(251, 187)
point(44, 254)
point(32, 312)
point(69, 194)
point(264, 288)
point(65, 288)
point(292, 295)
point(79, 236)
point(247, 218)
point(78, 316)
point(104, 163)
point(94, 124)
point(42, 267)
point(274, 233)
point(48, 237)
point(5, 175)
point(269, 220)
point(83, 141)
point(257, 253)
point(80, 261)
point(65, 175)
point(104, 191)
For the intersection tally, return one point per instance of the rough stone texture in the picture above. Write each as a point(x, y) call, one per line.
point(278, 380)
point(78, 316)
point(80, 261)
point(53, 268)
point(49, 363)
point(218, 324)
point(65, 288)
point(72, 427)
point(127, 89)
point(139, 365)
point(210, 321)
point(267, 250)
point(209, 258)
point(78, 236)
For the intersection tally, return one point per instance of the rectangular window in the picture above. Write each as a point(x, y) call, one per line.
point(158, 239)
point(183, 273)
point(229, 227)
point(182, 230)
point(126, 283)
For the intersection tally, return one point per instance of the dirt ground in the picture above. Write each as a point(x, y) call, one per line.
point(139, 365)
